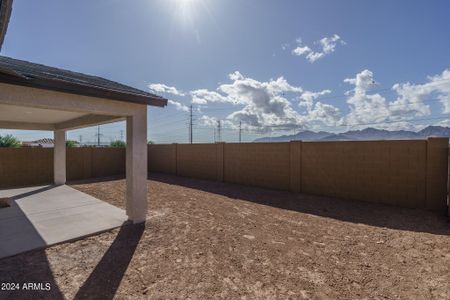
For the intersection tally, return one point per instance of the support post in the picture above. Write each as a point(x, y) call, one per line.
point(59, 157)
point(136, 166)
point(437, 173)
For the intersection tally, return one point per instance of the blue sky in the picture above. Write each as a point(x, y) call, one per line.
point(276, 66)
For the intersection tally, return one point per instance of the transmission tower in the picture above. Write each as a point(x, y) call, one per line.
point(191, 123)
point(219, 131)
point(240, 131)
point(98, 135)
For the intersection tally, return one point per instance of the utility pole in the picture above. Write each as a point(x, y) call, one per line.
point(214, 134)
point(240, 131)
point(81, 139)
point(190, 124)
point(121, 135)
point(98, 136)
point(219, 131)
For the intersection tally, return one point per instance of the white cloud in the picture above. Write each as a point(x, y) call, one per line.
point(162, 88)
point(265, 105)
point(365, 107)
point(277, 104)
point(410, 101)
point(301, 50)
point(307, 98)
point(445, 123)
point(413, 95)
point(327, 45)
point(208, 121)
point(178, 105)
point(203, 96)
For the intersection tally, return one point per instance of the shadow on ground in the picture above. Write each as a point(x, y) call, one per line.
point(37, 271)
point(345, 210)
point(102, 283)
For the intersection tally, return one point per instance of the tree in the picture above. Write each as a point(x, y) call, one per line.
point(8, 141)
point(118, 144)
point(150, 142)
point(71, 144)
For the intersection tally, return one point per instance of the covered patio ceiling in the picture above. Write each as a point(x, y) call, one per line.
point(31, 118)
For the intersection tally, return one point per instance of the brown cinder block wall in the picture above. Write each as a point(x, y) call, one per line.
point(162, 158)
point(25, 166)
point(437, 157)
point(406, 173)
point(197, 160)
point(259, 164)
point(34, 166)
point(391, 172)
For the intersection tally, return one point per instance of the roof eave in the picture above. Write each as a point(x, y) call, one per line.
point(62, 86)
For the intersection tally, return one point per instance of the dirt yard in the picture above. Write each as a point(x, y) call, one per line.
point(213, 240)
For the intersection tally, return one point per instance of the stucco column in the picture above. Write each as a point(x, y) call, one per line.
point(59, 157)
point(136, 168)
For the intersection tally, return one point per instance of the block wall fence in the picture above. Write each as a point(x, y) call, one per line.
point(34, 166)
point(407, 173)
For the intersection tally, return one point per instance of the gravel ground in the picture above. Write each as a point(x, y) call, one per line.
point(214, 240)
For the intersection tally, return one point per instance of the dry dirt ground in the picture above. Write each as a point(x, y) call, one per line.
point(214, 240)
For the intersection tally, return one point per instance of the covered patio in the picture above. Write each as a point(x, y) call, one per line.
point(46, 215)
point(37, 97)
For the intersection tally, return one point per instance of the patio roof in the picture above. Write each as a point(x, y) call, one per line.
point(19, 72)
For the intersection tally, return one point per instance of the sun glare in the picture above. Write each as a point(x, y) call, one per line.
point(185, 9)
point(184, 6)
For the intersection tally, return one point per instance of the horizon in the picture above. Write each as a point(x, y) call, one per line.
point(313, 66)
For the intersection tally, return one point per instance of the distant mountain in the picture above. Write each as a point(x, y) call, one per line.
point(302, 135)
point(365, 134)
point(435, 131)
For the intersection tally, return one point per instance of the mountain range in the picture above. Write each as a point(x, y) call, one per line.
point(364, 134)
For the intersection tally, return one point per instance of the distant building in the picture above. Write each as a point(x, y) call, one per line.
point(42, 143)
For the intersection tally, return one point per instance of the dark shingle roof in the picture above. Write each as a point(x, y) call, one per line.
point(19, 72)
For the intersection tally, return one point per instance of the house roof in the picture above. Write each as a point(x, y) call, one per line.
point(41, 141)
point(19, 72)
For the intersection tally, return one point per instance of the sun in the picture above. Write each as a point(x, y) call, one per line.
point(185, 9)
point(185, 5)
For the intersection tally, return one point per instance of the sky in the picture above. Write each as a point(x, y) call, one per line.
point(270, 67)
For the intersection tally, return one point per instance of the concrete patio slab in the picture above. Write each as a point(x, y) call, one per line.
point(42, 216)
